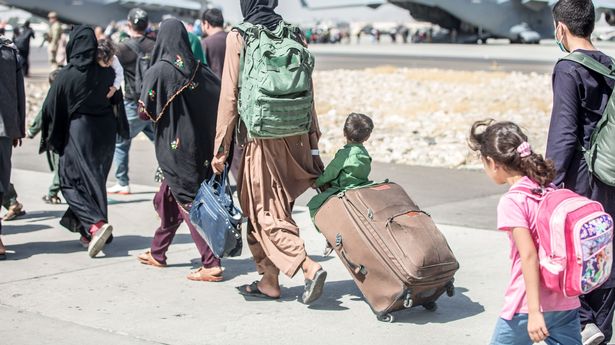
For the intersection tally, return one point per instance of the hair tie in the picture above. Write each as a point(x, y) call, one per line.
point(525, 149)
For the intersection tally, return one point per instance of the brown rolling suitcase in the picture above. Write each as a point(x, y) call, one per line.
point(395, 253)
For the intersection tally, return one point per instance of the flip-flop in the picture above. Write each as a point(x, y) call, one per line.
point(147, 259)
point(11, 215)
point(314, 287)
point(197, 276)
point(254, 291)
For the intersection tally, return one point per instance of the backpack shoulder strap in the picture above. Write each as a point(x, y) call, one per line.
point(536, 194)
point(134, 46)
point(592, 64)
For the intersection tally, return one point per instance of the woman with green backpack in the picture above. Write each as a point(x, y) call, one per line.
point(267, 94)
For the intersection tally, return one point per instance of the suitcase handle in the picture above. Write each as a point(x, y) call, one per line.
point(356, 269)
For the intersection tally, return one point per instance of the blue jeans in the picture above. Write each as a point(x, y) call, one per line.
point(564, 329)
point(122, 146)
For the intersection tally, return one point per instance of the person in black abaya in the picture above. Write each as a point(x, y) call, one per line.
point(181, 96)
point(80, 124)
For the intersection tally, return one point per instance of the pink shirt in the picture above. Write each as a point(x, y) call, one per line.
point(516, 210)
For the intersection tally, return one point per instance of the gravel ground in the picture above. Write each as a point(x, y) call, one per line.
point(421, 116)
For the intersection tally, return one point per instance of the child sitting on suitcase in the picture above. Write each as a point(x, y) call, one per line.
point(532, 313)
point(352, 164)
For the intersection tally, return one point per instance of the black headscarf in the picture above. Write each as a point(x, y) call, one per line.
point(72, 87)
point(261, 12)
point(181, 96)
point(161, 84)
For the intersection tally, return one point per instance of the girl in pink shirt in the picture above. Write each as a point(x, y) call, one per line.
point(532, 313)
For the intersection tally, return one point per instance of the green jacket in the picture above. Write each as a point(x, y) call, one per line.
point(197, 49)
point(349, 169)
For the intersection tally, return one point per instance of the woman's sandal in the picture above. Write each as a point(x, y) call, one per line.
point(251, 290)
point(14, 212)
point(147, 259)
point(314, 287)
point(52, 199)
point(199, 276)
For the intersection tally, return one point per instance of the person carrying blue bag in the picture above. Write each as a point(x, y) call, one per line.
point(181, 95)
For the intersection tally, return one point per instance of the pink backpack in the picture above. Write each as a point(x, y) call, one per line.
point(575, 238)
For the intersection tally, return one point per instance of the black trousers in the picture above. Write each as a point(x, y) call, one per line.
point(6, 150)
point(597, 307)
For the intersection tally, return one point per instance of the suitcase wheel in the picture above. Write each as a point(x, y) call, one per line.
point(388, 318)
point(431, 306)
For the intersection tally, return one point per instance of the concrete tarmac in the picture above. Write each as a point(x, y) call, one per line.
point(53, 293)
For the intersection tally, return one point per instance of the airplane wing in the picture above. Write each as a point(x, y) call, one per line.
point(604, 4)
point(329, 4)
point(189, 5)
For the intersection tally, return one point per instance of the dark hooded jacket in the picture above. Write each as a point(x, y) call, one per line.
point(72, 87)
point(181, 96)
point(12, 92)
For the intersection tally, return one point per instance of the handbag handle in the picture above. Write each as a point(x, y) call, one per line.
point(224, 186)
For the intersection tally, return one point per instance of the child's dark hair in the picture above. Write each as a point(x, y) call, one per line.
point(501, 141)
point(578, 15)
point(358, 127)
point(53, 75)
point(106, 50)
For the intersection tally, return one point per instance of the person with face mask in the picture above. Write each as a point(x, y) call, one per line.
point(580, 97)
point(274, 173)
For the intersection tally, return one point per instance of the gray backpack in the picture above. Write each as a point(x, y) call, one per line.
point(600, 155)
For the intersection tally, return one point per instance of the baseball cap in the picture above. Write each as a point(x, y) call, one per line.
point(138, 18)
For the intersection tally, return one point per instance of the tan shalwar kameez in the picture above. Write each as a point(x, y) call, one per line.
point(274, 173)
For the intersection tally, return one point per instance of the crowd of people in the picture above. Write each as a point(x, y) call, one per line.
point(193, 100)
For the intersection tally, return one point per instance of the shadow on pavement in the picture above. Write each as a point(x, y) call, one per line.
point(122, 245)
point(11, 229)
point(121, 202)
point(39, 216)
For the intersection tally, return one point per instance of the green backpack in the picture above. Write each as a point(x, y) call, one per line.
point(600, 156)
point(275, 85)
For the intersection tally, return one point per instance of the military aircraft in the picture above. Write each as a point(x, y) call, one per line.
point(521, 21)
point(102, 12)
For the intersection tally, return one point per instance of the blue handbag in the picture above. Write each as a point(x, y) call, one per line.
point(216, 218)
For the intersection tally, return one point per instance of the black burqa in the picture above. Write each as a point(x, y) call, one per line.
point(181, 96)
point(80, 124)
point(261, 12)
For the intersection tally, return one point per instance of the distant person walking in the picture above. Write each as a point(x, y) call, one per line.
point(274, 173)
point(12, 114)
point(214, 43)
point(80, 124)
point(580, 97)
point(22, 41)
point(54, 38)
point(181, 96)
point(133, 53)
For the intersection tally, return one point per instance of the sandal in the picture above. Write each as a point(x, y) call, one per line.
point(52, 199)
point(2, 256)
point(199, 276)
point(314, 287)
point(147, 259)
point(14, 212)
point(251, 290)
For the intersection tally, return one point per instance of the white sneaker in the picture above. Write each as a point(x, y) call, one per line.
point(592, 335)
point(117, 189)
point(99, 239)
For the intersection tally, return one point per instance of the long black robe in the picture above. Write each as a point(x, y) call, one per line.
point(79, 123)
point(181, 96)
